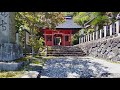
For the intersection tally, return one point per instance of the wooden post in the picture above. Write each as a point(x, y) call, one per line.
point(96, 34)
point(100, 33)
point(93, 35)
point(118, 27)
point(81, 40)
point(111, 30)
point(114, 28)
point(88, 37)
point(105, 29)
point(84, 38)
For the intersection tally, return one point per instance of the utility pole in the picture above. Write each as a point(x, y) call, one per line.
point(32, 40)
point(25, 42)
point(32, 35)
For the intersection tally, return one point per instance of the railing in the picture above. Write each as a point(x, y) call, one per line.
point(107, 31)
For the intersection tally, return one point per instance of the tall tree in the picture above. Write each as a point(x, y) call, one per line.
point(35, 21)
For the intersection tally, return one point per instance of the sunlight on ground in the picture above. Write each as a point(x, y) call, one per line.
point(11, 74)
point(80, 67)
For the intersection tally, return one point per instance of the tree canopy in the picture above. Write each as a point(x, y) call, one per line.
point(95, 18)
point(92, 20)
point(34, 22)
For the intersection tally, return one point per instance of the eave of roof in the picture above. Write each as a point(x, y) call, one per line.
point(68, 24)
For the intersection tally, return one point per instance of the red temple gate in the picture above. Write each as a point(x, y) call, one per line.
point(58, 37)
point(63, 33)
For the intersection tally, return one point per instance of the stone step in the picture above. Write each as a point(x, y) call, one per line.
point(65, 51)
point(66, 47)
point(66, 54)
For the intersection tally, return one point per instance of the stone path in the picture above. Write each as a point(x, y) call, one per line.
point(32, 71)
point(80, 67)
point(30, 74)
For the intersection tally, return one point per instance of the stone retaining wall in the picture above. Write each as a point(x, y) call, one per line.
point(9, 52)
point(107, 48)
point(12, 66)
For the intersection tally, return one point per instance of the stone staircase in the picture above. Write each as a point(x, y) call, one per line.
point(65, 51)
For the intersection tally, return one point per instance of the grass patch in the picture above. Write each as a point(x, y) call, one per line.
point(17, 74)
point(40, 60)
point(48, 57)
point(23, 59)
point(35, 62)
point(10, 74)
point(38, 56)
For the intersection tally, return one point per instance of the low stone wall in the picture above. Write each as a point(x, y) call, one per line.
point(12, 66)
point(107, 48)
point(9, 52)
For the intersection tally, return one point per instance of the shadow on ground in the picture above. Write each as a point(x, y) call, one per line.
point(73, 67)
point(34, 67)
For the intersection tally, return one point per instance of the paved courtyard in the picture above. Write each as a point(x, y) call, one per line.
point(80, 67)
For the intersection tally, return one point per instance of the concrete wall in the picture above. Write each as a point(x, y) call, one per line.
point(107, 48)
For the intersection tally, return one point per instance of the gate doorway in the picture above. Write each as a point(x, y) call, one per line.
point(57, 39)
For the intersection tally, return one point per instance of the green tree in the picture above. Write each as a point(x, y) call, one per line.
point(94, 19)
point(34, 22)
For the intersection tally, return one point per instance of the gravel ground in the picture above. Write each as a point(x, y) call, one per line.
point(32, 71)
point(80, 67)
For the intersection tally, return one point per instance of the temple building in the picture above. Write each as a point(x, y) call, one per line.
point(63, 34)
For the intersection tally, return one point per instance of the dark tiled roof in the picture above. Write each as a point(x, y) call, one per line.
point(69, 23)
